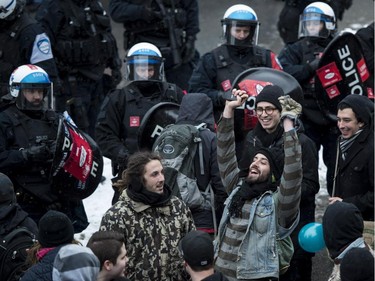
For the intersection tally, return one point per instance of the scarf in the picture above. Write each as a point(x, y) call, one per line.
point(246, 192)
point(345, 144)
point(137, 192)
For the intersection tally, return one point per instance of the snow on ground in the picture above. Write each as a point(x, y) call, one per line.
point(100, 201)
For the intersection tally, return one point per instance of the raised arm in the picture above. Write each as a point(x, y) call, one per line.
point(290, 186)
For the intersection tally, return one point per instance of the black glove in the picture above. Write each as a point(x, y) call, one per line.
point(122, 160)
point(37, 153)
point(116, 77)
point(314, 64)
point(150, 15)
point(188, 52)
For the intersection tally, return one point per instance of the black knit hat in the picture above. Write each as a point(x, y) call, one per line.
point(361, 106)
point(357, 265)
point(55, 228)
point(271, 94)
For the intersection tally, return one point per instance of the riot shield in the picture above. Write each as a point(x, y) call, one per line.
point(154, 121)
point(342, 71)
point(77, 167)
point(253, 80)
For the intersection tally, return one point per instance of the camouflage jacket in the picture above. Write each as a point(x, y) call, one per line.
point(151, 235)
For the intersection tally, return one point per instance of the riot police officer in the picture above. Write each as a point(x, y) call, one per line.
point(22, 41)
point(123, 109)
point(217, 69)
point(171, 25)
point(84, 47)
point(289, 16)
point(28, 131)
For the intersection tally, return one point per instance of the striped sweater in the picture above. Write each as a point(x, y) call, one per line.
point(234, 231)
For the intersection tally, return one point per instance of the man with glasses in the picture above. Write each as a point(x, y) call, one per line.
point(268, 134)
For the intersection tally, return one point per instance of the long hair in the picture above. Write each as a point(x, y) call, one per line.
point(135, 168)
point(32, 258)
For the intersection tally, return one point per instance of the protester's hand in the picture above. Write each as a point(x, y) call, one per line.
point(290, 108)
point(37, 153)
point(188, 52)
point(122, 160)
point(332, 200)
point(230, 105)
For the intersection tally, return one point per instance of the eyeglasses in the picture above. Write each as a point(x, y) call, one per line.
point(269, 110)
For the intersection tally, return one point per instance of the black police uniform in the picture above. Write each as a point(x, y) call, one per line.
point(23, 42)
point(171, 25)
point(121, 115)
point(295, 59)
point(84, 47)
point(290, 14)
point(31, 178)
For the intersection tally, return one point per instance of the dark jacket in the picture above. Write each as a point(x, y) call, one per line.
point(196, 108)
point(355, 176)
point(217, 276)
point(43, 269)
point(114, 134)
point(24, 42)
point(13, 216)
point(295, 59)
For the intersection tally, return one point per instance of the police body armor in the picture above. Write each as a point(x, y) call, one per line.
point(137, 106)
point(10, 57)
point(311, 109)
point(228, 69)
point(85, 43)
point(27, 132)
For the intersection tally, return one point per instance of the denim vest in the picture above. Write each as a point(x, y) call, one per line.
point(257, 255)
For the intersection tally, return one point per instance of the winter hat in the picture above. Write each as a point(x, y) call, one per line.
point(55, 228)
point(275, 165)
point(75, 262)
point(7, 195)
point(271, 94)
point(361, 106)
point(197, 248)
point(342, 224)
point(357, 265)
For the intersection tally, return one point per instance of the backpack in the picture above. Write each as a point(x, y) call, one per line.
point(13, 253)
point(177, 145)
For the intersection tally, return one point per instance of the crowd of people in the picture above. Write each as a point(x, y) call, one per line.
point(260, 153)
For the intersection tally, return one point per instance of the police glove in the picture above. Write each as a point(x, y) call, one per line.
point(314, 65)
point(188, 52)
point(290, 108)
point(116, 77)
point(37, 153)
point(122, 160)
point(150, 15)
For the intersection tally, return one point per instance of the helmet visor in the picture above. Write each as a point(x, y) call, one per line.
point(240, 32)
point(144, 68)
point(315, 25)
point(38, 96)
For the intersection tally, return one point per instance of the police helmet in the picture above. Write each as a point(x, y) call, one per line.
point(317, 20)
point(7, 195)
point(10, 9)
point(31, 87)
point(237, 18)
point(144, 62)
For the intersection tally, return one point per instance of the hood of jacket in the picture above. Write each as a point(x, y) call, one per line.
point(196, 108)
